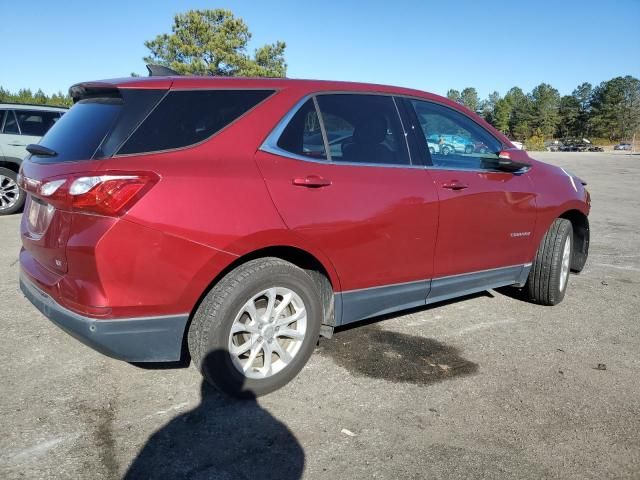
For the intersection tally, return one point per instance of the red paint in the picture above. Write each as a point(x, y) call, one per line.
point(223, 199)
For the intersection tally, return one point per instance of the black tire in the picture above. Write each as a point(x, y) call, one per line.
point(209, 332)
point(17, 202)
point(445, 150)
point(432, 151)
point(469, 149)
point(544, 285)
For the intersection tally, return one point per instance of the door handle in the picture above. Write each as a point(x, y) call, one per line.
point(312, 181)
point(18, 144)
point(455, 185)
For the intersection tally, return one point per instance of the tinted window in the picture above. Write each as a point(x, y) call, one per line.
point(453, 139)
point(35, 122)
point(187, 117)
point(10, 123)
point(363, 129)
point(78, 133)
point(302, 134)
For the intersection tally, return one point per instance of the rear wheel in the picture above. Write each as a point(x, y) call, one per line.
point(445, 150)
point(469, 149)
point(549, 275)
point(11, 196)
point(256, 329)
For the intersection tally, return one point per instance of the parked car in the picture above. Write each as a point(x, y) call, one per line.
point(622, 146)
point(553, 145)
point(451, 143)
point(179, 217)
point(20, 125)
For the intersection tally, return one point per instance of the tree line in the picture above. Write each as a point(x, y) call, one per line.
point(609, 111)
point(214, 42)
point(25, 95)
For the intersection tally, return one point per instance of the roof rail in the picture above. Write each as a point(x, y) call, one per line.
point(160, 71)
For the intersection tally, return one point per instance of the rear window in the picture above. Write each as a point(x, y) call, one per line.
point(188, 117)
point(78, 133)
point(95, 127)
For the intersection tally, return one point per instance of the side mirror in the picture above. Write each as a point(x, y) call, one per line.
point(505, 163)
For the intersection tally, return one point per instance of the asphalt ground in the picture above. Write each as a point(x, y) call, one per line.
point(488, 386)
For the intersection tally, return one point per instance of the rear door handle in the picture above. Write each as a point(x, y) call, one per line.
point(312, 181)
point(455, 185)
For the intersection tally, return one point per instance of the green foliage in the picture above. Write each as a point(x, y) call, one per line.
point(214, 42)
point(610, 111)
point(534, 142)
point(469, 98)
point(453, 94)
point(544, 104)
point(616, 108)
point(25, 95)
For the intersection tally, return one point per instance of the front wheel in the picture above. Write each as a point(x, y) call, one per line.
point(256, 329)
point(549, 275)
point(11, 196)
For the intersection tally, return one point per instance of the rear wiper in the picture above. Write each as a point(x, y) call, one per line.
point(40, 150)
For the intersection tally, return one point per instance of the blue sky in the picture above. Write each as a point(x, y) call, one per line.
point(433, 46)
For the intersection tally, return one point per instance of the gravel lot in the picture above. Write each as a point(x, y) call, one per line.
point(517, 394)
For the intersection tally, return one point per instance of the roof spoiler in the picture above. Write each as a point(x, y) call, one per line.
point(160, 71)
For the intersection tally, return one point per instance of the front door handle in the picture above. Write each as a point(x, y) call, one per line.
point(18, 144)
point(312, 181)
point(455, 185)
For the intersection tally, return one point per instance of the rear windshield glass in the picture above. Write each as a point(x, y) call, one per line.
point(77, 135)
point(187, 117)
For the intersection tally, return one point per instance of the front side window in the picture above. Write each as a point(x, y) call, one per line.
point(453, 139)
point(363, 128)
point(36, 122)
point(188, 117)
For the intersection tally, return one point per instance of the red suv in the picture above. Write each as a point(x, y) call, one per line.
point(236, 220)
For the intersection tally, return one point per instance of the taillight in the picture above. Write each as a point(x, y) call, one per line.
point(107, 194)
point(110, 195)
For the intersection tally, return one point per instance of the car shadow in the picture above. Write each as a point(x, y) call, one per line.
point(223, 438)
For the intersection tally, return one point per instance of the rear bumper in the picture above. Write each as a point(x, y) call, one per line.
point(146, 339)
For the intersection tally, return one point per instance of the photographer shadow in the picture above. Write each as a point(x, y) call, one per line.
point(223, 438)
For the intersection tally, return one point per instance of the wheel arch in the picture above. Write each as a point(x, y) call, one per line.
point(324, 276)
point(581, 238)
point(13, 166)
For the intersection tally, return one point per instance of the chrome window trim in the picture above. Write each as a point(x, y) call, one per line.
point(270, 144)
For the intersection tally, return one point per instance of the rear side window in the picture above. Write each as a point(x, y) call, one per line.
point(303, 135)
point(36, 122)
point(187, 117)
point(10, 123)
point(363, 129)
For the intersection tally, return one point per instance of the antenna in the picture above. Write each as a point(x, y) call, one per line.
point(160, 71)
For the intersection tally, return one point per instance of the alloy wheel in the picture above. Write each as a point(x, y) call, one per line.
point(267, 333)
point(9, 192)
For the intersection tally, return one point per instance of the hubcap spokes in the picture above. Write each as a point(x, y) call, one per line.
point(566, 260)
point(9, 192)
point(268, 332)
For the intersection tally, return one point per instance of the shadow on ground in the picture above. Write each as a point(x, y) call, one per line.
point(395, 357)
point(223, 439)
